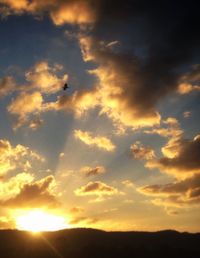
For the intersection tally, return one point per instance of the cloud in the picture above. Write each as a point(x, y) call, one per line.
point(10, 187)
point(76, 209)
point(169, 129)
point(24, 105)
point(84, 220)
point(189, 82)
point(33, 195)
point(180, 193)
point(141, 152)
point(181, 157)
point(187, 114)
point(128, 183)
point(185, 88)
point(41, 80)
point(6, 223)
point(35, 123)
point(60, 11)
point(97, 188)
point(16, 157)
point(117, 74)
point(99, 141)
point(79, 102)
point(124, 74)
point(92, 171)
point(42, 77)
point(7, 86)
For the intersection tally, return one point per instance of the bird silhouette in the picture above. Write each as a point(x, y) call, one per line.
point(65, 86)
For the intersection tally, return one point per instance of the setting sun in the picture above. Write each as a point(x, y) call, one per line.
point(37, 221)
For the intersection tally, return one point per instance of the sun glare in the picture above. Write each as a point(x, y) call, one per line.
point(38, 221)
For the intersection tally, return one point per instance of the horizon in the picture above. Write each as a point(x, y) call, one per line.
point(118, 149)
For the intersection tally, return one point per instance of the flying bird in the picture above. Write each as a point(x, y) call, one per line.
point(65, 86)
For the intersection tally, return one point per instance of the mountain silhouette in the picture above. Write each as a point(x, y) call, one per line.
point(91, 243)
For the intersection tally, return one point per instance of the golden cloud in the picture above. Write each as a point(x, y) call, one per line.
point(10, 187)
point(84, 220)
point(43, 78)
point(171, 128)
point(128, 183)
point(6, 223)
point(16, 157)
point(97, 188)
point(26, 103)
point(92, 171)
point(33, 195)
point(35, 123)
point(29, 104)
point(141, 152)
point(99, 141)
point(80, 102)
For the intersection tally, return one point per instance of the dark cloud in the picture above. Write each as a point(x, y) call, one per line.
point(159, 42)
point(182, 157)
point(180, 193)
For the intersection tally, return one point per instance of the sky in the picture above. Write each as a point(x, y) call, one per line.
point(120, 148)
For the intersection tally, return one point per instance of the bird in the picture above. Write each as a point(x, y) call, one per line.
point(65, 86)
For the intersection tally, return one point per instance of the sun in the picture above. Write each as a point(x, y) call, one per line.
point(38, 221)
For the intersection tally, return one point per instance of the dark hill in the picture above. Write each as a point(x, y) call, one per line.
point(90, 243)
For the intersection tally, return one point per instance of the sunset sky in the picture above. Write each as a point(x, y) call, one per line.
point(119, 149)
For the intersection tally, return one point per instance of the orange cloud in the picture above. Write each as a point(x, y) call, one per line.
point(75, 12)
point(76, 209)
point(99, 141)
point(189, 82)
point(185, 88)
point(60, 11)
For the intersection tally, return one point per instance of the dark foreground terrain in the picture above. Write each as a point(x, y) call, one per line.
point(89, 243)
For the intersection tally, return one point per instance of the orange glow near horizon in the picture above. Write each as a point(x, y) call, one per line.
point(39, 221)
